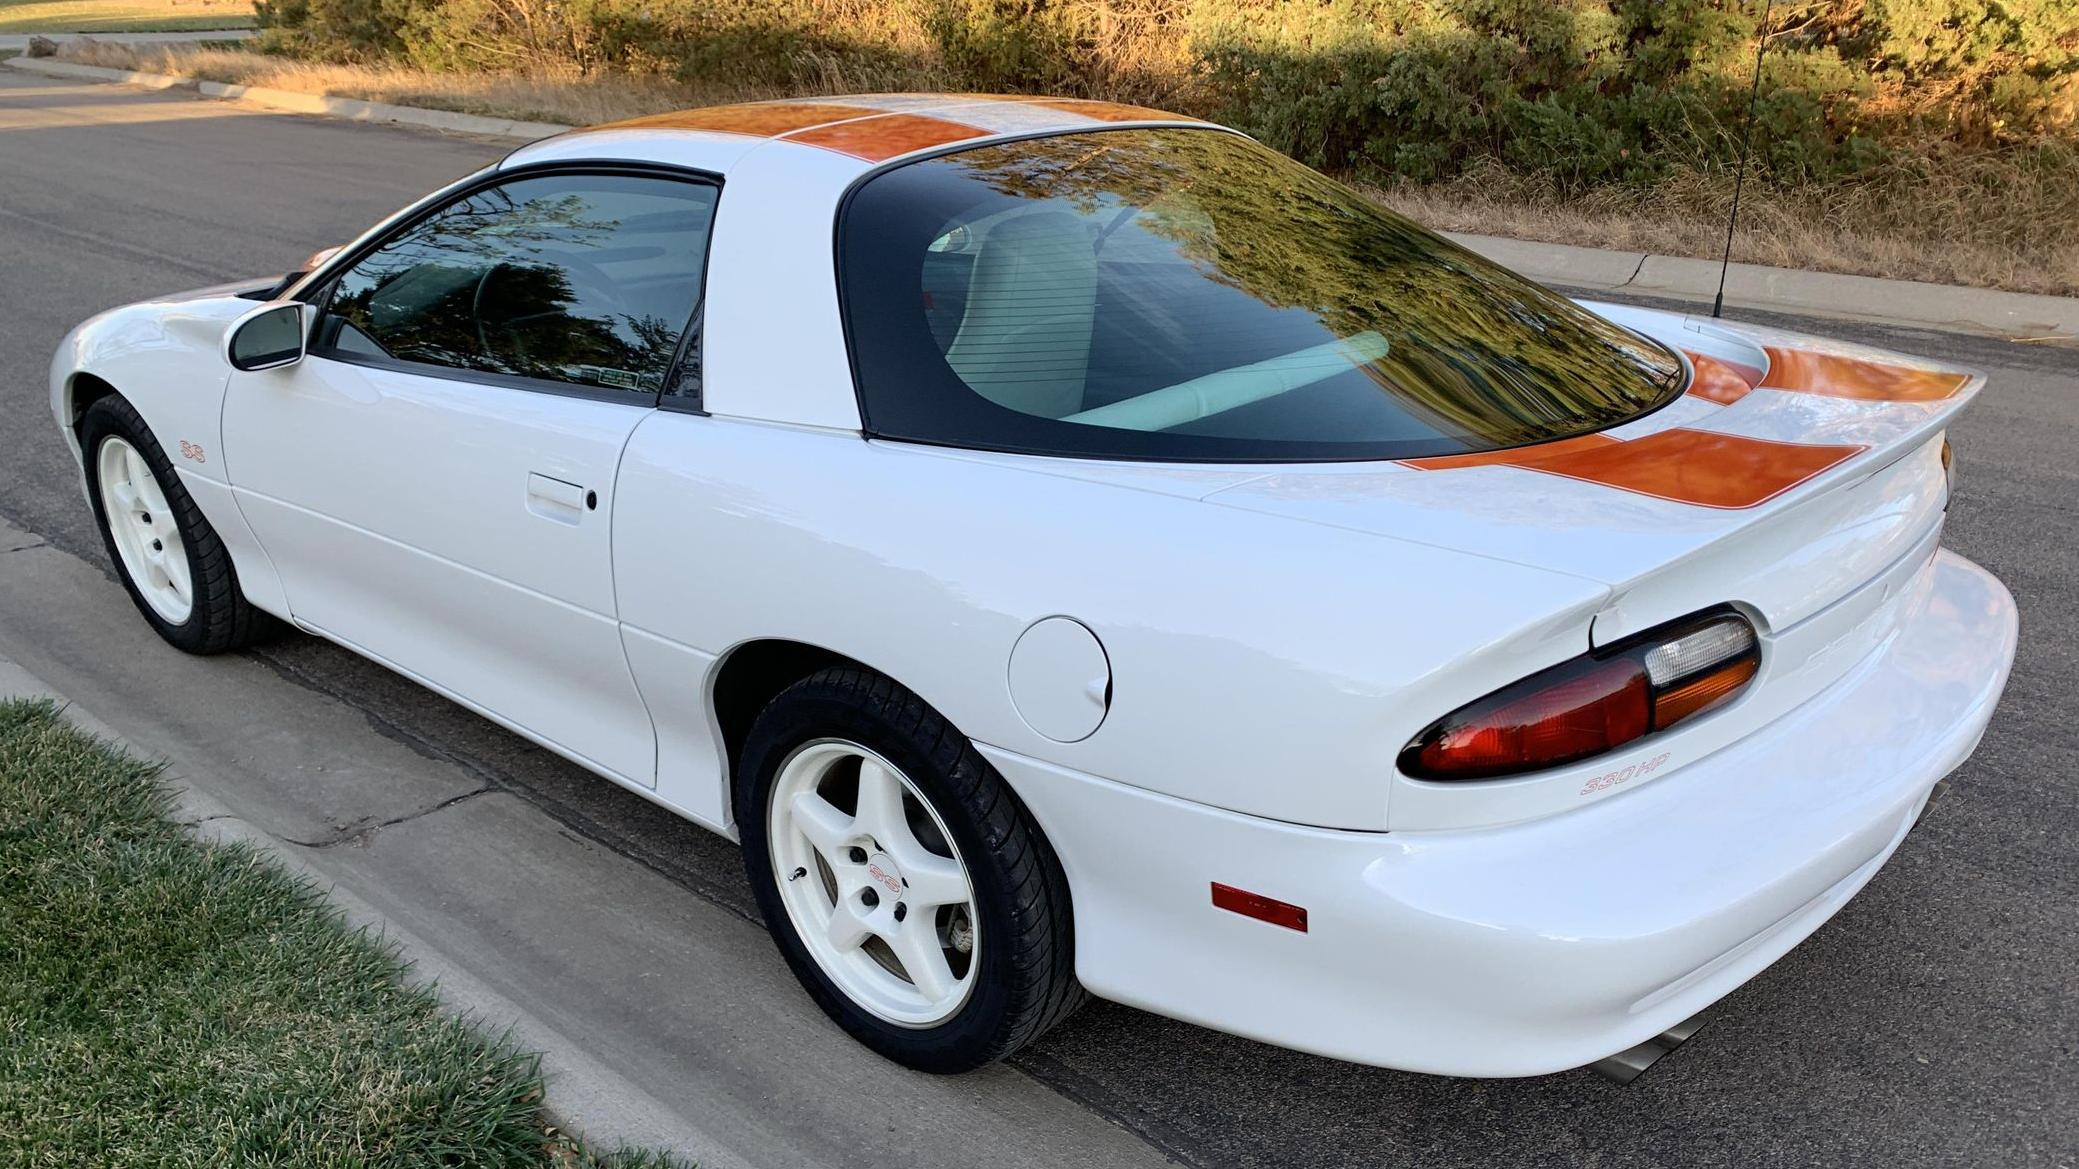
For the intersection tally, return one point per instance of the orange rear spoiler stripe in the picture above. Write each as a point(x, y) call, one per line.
point(1720, 381)
point(1807, 371)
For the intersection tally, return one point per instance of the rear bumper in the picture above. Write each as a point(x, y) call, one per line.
point(1548, 944)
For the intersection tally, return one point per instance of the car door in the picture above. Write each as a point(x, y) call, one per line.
point(434, 481)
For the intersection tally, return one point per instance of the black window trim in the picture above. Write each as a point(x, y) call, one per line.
point(1677, 391)
point(319, 287)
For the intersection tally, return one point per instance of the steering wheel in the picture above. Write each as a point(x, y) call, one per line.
point(588, 283)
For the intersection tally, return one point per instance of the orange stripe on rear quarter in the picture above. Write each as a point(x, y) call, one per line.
point(1697, 466)
point(1683, 465)
point(881, 138)
point(1720, 381)
point(756, 119)
point(1806, 371)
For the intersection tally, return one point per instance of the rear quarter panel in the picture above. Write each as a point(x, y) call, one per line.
point(1258, 664)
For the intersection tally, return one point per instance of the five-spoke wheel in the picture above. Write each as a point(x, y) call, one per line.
point(907, 887)
point(171, 560)
point(140, 523)
point(873, 883)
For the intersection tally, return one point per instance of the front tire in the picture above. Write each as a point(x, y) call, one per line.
point(903, 882)
point(169, 558)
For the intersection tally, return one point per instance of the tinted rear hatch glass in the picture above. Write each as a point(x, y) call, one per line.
point(1186, 294)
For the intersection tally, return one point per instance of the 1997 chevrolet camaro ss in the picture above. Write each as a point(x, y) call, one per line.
point(1074, 547)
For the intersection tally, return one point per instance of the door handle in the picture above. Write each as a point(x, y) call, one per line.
point(558, 499)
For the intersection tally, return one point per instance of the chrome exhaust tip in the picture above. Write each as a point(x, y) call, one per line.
point(1632, 1062)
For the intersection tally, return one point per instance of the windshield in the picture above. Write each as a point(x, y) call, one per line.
point(1184, 294)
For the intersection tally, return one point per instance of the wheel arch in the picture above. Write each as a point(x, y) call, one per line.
point(752, 674)
point(81, 391)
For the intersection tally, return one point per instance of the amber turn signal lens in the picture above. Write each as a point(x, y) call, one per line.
point(1592, 704)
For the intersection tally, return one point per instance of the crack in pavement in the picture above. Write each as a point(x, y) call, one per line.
point(361, 833)
point(502, 780)
point(25, 547)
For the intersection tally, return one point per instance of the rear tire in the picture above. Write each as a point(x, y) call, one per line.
point(835, 739)
point(169, 558)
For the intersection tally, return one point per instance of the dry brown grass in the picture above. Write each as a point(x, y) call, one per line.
point(534, 97)
point(1986, 221)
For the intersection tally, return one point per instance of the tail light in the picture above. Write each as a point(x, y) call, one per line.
point(1592, 704)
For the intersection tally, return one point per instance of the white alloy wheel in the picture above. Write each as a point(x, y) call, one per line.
point(143, 529)
point(873, 884)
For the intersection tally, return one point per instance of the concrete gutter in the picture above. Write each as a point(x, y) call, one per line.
point(2016, 315)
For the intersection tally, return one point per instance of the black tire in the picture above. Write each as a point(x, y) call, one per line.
point(1026, 979)
point(219, 618)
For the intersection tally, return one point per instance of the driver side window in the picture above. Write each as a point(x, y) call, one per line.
point(582, 279)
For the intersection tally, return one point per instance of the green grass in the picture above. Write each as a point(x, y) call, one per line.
point(18, 16)
point(166, 1002)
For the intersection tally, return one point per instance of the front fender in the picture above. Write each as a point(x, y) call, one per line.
point(166, 357)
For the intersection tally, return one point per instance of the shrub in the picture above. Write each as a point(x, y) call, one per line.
point(1581, 92)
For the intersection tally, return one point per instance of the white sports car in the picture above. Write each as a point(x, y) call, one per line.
point(1074, 547)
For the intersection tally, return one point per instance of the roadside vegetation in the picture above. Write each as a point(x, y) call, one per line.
point(17, 16)
point(169, 1002)
point(1929, 139)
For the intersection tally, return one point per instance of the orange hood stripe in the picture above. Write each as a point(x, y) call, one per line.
point(1808, 371)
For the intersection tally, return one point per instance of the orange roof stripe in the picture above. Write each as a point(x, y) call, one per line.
point(756, 119)
point(1808, 371)
point(1108, 111)
point(880, 138)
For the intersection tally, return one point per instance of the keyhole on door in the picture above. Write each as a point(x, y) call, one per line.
point(591, 501)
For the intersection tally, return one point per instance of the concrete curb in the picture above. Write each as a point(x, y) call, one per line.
point(1828, 294)
point(586, 1097)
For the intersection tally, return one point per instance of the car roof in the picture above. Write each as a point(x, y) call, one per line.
point(773, 345)
point(867, 129)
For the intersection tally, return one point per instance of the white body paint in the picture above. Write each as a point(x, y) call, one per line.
point(1262, 640)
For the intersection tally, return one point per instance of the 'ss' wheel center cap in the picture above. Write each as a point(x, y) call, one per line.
point(884, 876)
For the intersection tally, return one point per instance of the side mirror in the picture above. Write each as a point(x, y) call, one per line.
point(267, 338)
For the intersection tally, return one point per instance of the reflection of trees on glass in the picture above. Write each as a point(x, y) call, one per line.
point(1478, 350)
point(511, 280)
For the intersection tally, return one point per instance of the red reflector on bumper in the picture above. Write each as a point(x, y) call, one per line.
point(1256, 905)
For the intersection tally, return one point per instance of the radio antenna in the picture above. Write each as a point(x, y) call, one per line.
point(1761, 45)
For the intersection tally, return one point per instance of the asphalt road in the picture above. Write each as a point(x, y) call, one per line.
point(1935, 1021)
